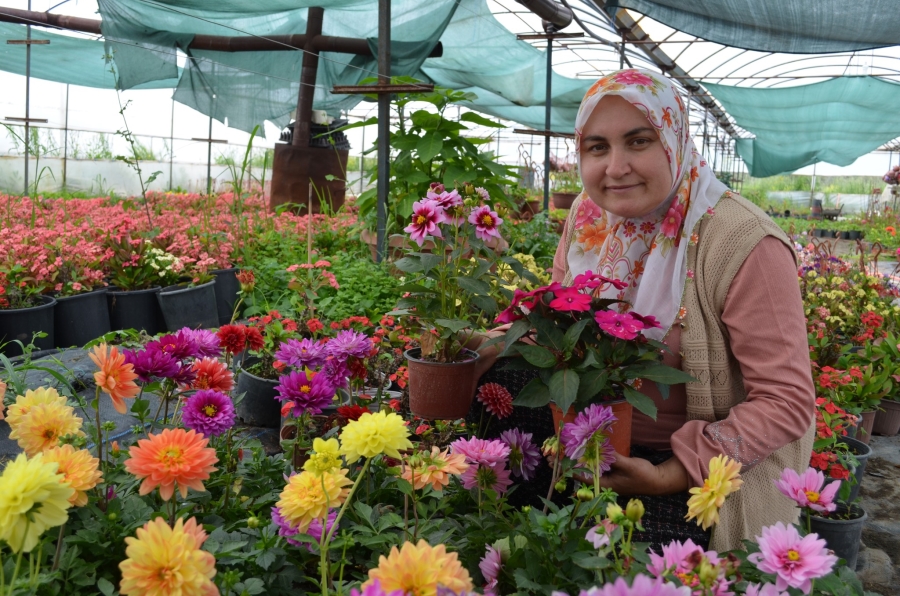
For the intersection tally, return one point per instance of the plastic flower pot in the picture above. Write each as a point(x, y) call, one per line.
point(227, 288)
point(564, 200)
point(299, 454)
point(81, 318)
point(862, 452)
point(135, 309)
point(864, 432)
point(21, 324)
point(887, 420)
point(855, 234)
point(193, 307)
point(441, 390)
point(259, 406)
point(841, 535)
point(620, 435)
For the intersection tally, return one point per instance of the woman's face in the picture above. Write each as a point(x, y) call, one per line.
point(624, 166)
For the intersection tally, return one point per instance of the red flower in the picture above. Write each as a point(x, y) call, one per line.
point(233, 338)
point(289, 325)
point(351, 412)
point(314, 325)
point(496, 399)
point(394, 404)
point(570, 299)
point(422, 429)
point(839, 472)
point(255, 339)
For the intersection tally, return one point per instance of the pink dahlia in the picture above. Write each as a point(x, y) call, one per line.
point(524, 456)
point(640, 586)
point(425, 219)
point(495, 478)
point(806, 489)
point(592, 425)
point(486, 222)
point(621, 325)
point(301, 353)
point(374, 589)
point(496, 399)
point(795, 561)
point(482, 452)
point(678, 558)
point(764, 590)
point(570, 299)
point(208, 412)
point(599, 534)
point(208, 345)
point(490, 566)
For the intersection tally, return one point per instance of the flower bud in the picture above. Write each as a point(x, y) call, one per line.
point(114, 449)
point(244, 498)
point(707, 572)
point(112, 516)
point(585, 493)
point(561, 485)
point(469, 189)
point(252, 522)
point(635, 510)
point(614, 513)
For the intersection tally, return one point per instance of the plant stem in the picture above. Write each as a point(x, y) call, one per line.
point(59, 542)
point(323, 548)
point(99, 430)
point(12, 581)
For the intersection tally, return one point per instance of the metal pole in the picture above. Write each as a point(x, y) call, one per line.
point(209, 152)
point(172, 142)
point(548, 103)
point(65, 141)
point(362, 160)
point(384, 115)
point(309, 68)
point(27, 96)
point(622, 52)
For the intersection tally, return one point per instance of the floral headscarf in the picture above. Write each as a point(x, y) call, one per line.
point(654, 246)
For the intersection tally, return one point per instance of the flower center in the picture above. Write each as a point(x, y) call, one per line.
point(210, 410)
point(201, 383)
point(812, 496)
point(49, 434)
point(793, 555)
point(171, 456)
point(305, 389)
point(487, 220)
point(421, 219)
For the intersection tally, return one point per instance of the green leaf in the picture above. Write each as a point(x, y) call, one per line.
point(455, 173)
point(409, 264)
point(416, 288)
point(533, 395)
point(474, 286)
point(429, 146)
point(548, 334)
point(454, 325)
point(573, 333)
point(539, 356)
point(590, 561)
point(486, 304)
point(106, 587)
point(481, 120)
point(593, 382)
point(640, 401)
point(518, 329)
point(564, 388)
point(429, 261)
point(665, 374)
point(406, 142)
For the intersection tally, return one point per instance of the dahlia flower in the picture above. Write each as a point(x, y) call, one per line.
point(208, 344)
point(24, 403)
point(347, 344)
point(724, 479)
point(490, 565)
point(496, 399)
point(300, 354)
point(208, 412)
point(482, 452)
point(33, 498)
point(314, 531)
point(212, 374)
point(524, 456)
point(308, 496)
point(42, 426)
point(232, 338)
point(640, 586)
point(590, 428)
point(807, 490)
point(327, 456)
point(255, 340)
point(374, 589)
point(149, 363)
point(174, 457)
point(115, 377)
point(419, 569)
point(79, 470)
point(764, 590)
point(164, 560)
point(374, 434)
point(426, 216)
point(309, 392)
point(434, 468)
point(180, 346)
point(486, 222)
point(795, 561)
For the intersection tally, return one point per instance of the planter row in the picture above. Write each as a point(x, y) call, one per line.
point(843, 235)
point(76, 320)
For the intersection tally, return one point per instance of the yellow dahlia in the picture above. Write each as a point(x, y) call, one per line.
point(308, 496)
point(42, 426)
point(33, 497)
point(24, 403)
point(164, 560)
point(78, 468)
point(373, 434)
point(435, 468)
point(327, 456)
point(419, 570)
point(724, 479)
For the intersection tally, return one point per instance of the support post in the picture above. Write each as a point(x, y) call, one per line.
point(172, 142)
point(27, 96)
point(65, 141)
point(314, 17)
point(384, 121)
point(548, 104)
point(622, 52)
point(209, 152)
point(362, 160)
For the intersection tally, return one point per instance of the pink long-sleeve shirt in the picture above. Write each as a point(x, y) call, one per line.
point(763, 314)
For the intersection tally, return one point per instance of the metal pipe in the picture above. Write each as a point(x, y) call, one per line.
point(384, 129)
point(65, 141)
point(559, 15)
point(314, 17)
point(548, 104)
point(209, 151)
point(27, 98)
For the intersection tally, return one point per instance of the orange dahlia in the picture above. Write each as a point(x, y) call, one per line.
point(43, 425)
point(78, 468)
point(173, 457)
point(419, 570)
point(24, 403)
point(115, 377)
point(435, 468)
point(212, 374)
point(164, 560)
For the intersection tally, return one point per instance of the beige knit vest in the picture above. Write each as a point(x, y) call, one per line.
point(725, 240)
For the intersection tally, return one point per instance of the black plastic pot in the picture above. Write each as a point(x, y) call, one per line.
point(227, 288)
point(137, 309)
point(21, 323)
point(193, 307)
point(842, 535)
point(855, 234)
point(845, 235)
point(81, 318)
point(258, 407)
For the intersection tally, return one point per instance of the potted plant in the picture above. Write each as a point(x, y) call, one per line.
point(191, 303)
point(448, 296)
point(138, 270)
point(835, 452)
point(565, 182)
point(26, 316)
point(81, 313)
point(586, 351)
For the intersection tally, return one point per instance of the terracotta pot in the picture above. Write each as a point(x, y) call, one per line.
point(441, 390)
point(395, 245)
point(300, 454)
point(864, 432)
point(528, 209)
point(887, 420)
point(621, 428)
point(564, 200)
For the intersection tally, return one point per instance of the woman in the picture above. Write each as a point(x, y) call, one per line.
point(722, 280)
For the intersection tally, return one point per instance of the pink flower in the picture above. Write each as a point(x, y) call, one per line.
point(633, 77)
point(764, 590)
point(592, 280)
point(806, 489)
point(679, 558)
point(508, 315)
point(490, 566)
point(486, 222)
point(495, 478)
point(599, 534)
point(623, 326)
point(640, 586)
point(425, 219)
point(794, 560)
point(648, 321)
point(568, 299)
point(487, 459)
point(671, 223)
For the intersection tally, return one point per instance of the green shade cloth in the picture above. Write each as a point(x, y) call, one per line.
point(792, 26)
point(835, 121)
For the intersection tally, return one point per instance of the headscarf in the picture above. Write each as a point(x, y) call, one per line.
point(648, 253)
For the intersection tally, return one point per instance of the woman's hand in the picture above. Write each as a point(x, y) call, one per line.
point(487, 356)
point(636, 476)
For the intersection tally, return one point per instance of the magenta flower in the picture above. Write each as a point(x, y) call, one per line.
point(590, 427)
point(640, 586)
point(623, 326)
point(445, 200)
point(208, 344)
point(592, 280)
point(374, 589)
point(509, 315)
point(806, 489)
point(490, 566)
point(152, 363)
point(309, 393)
point(795, 561)
point(570, 299)
point(495, 478)
point(349, 343)
point(486, 222)
point(524, 456)
point(287, 531)
point(425, 219)
point(179, 345)
point(304, 353)
point(481, 451)
point(336, 371)
point(647, 321)
point(208, 412)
